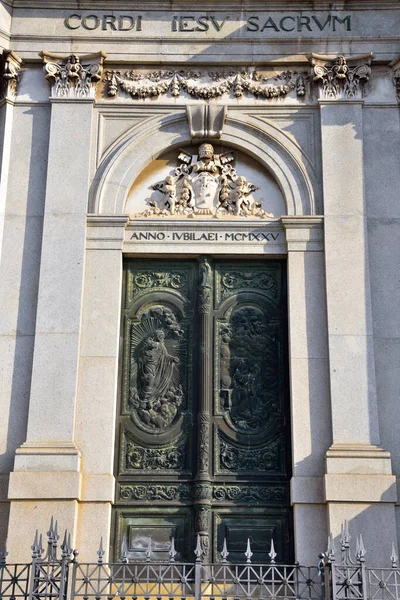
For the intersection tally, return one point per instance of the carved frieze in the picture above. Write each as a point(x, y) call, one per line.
point(205, 84)
point(170, 458)
point(155, 492)
point(73, 76)
point(10, 67)
point(249, 493)
point(341, 77)
point(243, 279)
point(205, 185)
point(235, 458)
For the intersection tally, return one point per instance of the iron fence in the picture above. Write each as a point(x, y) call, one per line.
point(57, 574)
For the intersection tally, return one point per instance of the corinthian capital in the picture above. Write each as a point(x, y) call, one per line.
point(73, 76)
point(10, 66)
point(395, 64)
point(339, 77)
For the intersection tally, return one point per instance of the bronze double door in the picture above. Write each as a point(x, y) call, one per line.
point(203, 432)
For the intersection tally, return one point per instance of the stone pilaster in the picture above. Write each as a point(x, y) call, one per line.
point(96, 407)
point(309, 381)
point(10, 65)
point(359, 485)
point(47, 465)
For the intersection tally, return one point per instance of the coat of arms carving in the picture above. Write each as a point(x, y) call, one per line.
point(205, 184)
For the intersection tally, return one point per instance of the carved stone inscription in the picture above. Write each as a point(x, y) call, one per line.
point(264, 23)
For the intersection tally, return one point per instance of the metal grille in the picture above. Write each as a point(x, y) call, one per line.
point(53, 577)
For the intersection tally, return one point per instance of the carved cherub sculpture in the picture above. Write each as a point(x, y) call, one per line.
point(243, 189)
point(168, 187)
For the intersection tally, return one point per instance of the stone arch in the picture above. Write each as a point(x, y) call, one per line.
point(143, 143)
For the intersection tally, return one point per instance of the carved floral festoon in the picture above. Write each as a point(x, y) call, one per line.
point(341, 77)
point(73, 76)
point(204, 85)
point(206, 186)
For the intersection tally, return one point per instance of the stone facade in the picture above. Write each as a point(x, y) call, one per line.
point(221, 131)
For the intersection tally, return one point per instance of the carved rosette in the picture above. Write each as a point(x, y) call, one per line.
point(10, 67)
point(73, 76)
point(341, 78)
point(395, 65)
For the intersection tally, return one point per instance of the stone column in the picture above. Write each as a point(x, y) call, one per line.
point(46, 477)
point(309, 382)
point(359, 486)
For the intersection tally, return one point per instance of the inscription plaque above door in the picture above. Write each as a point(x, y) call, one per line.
point(204, 439)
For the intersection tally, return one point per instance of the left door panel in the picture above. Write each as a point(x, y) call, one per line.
point(156, 445)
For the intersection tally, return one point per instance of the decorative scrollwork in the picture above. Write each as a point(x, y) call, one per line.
point(204, 85)
point(248, 493)
point(250, 279)
point(155, 459)
point(267, 458)
point(145, 280)
point(156, 492)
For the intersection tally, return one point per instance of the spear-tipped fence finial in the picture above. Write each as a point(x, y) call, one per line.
point(394, 557)
point(224, 552)
point(66, 545)
point(330, 551)
point(35, 545)
point(360, 549)
point(50, 532)
point(100, 552)
point(272, 554)
point(172, 552)
point(248, 554)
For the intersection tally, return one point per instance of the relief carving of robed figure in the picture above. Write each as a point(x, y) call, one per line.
point(156, 393)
